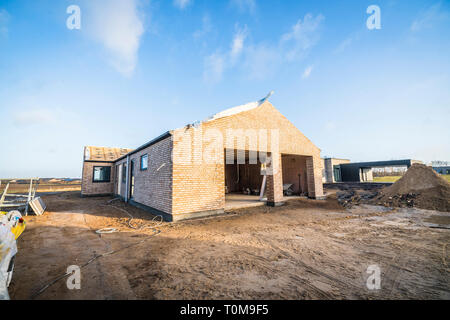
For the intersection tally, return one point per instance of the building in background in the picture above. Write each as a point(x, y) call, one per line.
point(363, 171)
point(442, 170)
point(332, 170)
point(441, 167)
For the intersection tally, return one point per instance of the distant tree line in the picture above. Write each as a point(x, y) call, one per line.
point(389, 171)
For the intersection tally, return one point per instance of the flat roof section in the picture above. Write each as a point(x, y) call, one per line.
point(388, 163)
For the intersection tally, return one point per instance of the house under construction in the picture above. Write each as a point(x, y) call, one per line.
point(188, 172)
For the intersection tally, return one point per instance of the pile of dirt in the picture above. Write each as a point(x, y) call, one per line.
point(420, 187)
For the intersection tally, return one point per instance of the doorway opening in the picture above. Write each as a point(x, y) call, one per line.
point(132, 179)
point(295, 179)
point(243, 180)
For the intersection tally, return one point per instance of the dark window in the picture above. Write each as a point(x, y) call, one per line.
point(124, 173)
point(102, 174)
point(144, 162)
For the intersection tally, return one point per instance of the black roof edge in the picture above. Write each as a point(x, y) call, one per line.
point(385, 163)
point(100, 161)
point(148, 144)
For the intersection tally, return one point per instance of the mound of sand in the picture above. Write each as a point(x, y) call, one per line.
point(420, 187)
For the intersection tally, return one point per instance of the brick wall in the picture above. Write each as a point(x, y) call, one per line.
point(200, 187)
point(275, 181)
point(314, 177)
point(152, 187)
point(90, 188)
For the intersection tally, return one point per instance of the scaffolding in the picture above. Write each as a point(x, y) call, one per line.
point(19, 201)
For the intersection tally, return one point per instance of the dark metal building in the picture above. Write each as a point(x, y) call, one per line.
point(362, 171)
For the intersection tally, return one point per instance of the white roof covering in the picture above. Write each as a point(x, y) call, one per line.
point(239, 109)
point(231, 111)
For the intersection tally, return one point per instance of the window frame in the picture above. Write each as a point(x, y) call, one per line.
point(101, 181)
point(140, 162)
point(124, 173)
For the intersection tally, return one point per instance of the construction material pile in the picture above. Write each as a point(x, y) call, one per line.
point(11, 227)
point(350, 198)
point(420, 187)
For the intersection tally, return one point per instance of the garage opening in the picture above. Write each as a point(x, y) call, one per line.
point(295, 181)
point(243, 180)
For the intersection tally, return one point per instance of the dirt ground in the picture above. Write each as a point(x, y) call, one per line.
point(42, 187)
point(304, 250)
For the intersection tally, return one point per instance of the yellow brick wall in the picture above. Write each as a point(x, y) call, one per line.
point(200, 187)
point(88, 187)
point(153, 187)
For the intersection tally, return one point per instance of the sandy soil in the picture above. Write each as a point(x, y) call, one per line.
point(304, 250)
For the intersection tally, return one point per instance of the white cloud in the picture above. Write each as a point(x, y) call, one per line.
point(261, 60)
point(118, 26)
point(237, 44)
point(347, 42)
point(206, 27)
point(4, 19)
point(181, 4)
point(307, 72)
point(214, 68)
point(244, 5)
point(34, 117)
point(215, 64)
point(303, 36)
point(428, 17)
point(343, 45)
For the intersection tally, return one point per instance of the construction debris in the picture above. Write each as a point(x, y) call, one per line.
point(420, 187)
point(287, 189)
point(11, 227)
point(350, 198)
point(38, 206)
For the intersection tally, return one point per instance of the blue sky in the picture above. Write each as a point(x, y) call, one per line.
point(136, 69)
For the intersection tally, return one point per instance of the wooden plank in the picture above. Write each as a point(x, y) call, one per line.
point(35, 188)
point(17, 195)
point(29, 196)
point(12, 205)
point(38, 206)
point(2, 199)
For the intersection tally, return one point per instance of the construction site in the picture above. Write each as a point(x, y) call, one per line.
point(260, 220)
point(224, 159)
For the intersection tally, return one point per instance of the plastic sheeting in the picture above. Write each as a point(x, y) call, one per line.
point(8, 249)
